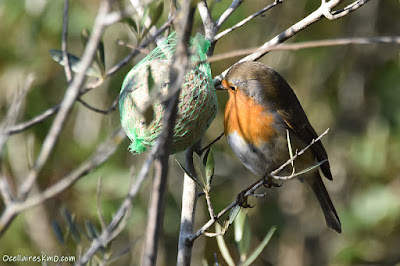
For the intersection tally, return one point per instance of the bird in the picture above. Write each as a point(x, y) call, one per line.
point(261, 110)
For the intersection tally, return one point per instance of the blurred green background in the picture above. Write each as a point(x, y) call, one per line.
point(353, 90)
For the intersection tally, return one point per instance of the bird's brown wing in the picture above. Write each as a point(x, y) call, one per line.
point(298, 122)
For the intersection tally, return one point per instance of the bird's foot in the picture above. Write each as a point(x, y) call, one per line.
point(268, 183)
point(242, 200)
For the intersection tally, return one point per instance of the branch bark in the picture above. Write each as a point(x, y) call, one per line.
point(310, 44)
point(189, 201)
point(67, 103)
point(324, 10)
point(178, 69)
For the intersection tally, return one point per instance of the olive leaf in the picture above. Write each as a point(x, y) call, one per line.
point(242, 232)
point(210, 167)
point(233, 213)
point(74, 62)
point(260, 247)
point(58, 232)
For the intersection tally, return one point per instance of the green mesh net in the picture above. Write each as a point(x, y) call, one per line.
point(197, 102)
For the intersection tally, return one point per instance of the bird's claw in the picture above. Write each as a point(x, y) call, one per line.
point(268, 183)
point(242, 200)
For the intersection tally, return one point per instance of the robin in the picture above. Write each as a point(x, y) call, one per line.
point(261, 108)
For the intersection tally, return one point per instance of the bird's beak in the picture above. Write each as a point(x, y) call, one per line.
point(223, 86)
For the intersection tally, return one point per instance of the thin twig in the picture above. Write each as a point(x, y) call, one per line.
point(98, 205)
point(297, 154)
point(313, 17)
point(209, 204)
point(212, 143)
point(131, 46)
point(67, 103)
point(177, 72)
point(250, 191)
point(207, 234)
point(310, 44)
point(103, 152)
point(332, 15)
point(94, 109)
point(64, 41)
point(228, 12)
point(53, 110)
point(13, 111)
point(244, 21)
point(138, 5)
point(9, 120)
point(116, 16)
point(36, 120)
point(105, 236)
point(5, 191)
point(135, 52)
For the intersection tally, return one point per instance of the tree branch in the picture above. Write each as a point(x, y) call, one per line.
point(9, 120)
point(178, 69)
point(310, 44)
point(250, 191)
point(228, 12)
point(112, 229)
point(315, 16)
point(244, 21)
point(64, 45)
point(189, 202)
point(147, 21)
point(332, 15)
point(67, 103)
point(104, 112)
point(51, 111)
point(101, 155)
point(210, 28)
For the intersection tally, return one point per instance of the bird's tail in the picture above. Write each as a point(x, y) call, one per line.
point(331, 216)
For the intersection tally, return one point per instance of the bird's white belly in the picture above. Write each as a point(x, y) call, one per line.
point(259, 161)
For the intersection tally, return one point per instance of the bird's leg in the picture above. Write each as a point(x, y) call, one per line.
point(241, 200)
point(268, 183)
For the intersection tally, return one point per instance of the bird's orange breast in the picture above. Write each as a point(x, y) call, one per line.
point(251, 121)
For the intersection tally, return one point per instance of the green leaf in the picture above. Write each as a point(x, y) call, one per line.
point(72, 226)
point(132, 25)
point(210, 166)
point(199, 168)
point(310, 168)
point(145, 15)
point(188, 174)
point(242, 233)
point(85, 35)
point(68, 217)
point(253, 256)
point(233, 213)
point(122, 252)
point(101, 57)
point(156, 11)
point(74, 62)
point(58, 232)
point(222, 246)
point(91, 230)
